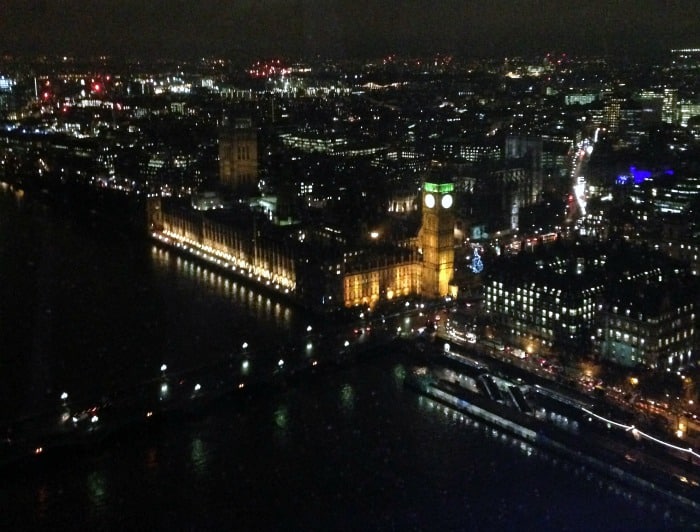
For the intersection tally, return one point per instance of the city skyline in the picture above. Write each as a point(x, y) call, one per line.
point(310, 265)
point(343, 29)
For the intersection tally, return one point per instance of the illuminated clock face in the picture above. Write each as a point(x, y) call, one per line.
point(429, 201)
point(446, 201)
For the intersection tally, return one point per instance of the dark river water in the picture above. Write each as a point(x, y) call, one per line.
point(88, 310)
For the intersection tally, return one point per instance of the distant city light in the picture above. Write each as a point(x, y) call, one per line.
point(477, 266)
point(268, 69)
point(638, 175)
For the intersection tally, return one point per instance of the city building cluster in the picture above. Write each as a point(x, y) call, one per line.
point(562, 192)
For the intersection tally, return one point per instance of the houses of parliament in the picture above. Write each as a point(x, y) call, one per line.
point(312, 265)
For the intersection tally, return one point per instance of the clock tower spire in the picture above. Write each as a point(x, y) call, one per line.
point(437, 237)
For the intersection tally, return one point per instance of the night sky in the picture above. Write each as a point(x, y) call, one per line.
point(346, 28)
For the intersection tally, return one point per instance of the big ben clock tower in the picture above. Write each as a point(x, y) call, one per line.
point(437, 238)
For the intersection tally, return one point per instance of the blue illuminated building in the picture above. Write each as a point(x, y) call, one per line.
point(637, 176)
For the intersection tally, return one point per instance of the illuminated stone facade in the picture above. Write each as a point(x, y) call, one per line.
point(238, 156)
point(368, 279)
point(437, 239)
point(270, 259)
point(317, 272)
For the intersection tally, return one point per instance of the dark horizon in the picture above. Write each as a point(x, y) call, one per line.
point(346, 29)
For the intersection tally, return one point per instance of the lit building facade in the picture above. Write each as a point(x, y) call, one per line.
point(612, 113)
point(648, 324)
point(669, 108)
point(270, 259)
point(472, 150)
point(540, 304)
point(238, 156)
point(628, 305)
point(309, 142)
point(678, 239)
point(688, 110)
point(437, 238)
point(317, 271)
point(370, 277)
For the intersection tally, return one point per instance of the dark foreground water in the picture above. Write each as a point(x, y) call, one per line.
point(86, 310)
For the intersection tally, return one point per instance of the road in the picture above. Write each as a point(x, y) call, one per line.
point(577, 207)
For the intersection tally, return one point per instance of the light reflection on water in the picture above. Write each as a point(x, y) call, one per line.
point(42, 501)
point(345, 449)
point(97, 490)
point(259, 305)
point(151, 458)
point(199, 456)
point(327, 452)
point(347, 398)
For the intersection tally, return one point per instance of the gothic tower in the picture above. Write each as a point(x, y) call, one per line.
point(154, 214)
point(238, 157)
point(437, 237)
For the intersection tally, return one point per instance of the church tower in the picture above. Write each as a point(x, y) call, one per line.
point(437, 237)
point(154, 214)
point(238, 157)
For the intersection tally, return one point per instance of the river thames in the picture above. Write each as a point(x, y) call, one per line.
point(89, 310)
